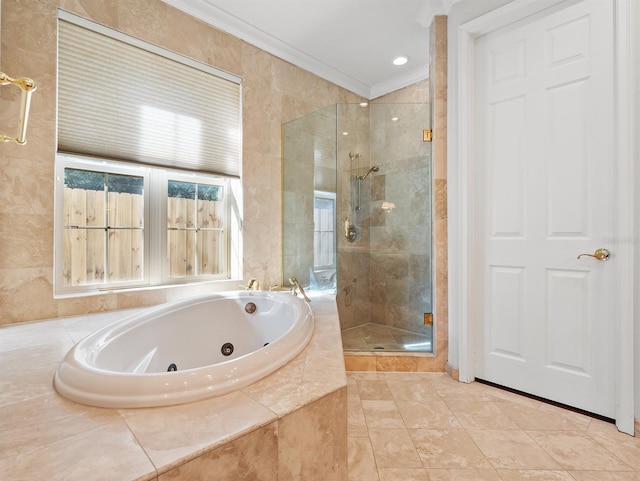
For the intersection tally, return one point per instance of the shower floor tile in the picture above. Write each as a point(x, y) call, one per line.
point(375, 337)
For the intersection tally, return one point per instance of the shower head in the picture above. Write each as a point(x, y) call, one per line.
point(375, 168)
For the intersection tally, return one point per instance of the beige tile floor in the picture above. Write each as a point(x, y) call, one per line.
point(427, 427)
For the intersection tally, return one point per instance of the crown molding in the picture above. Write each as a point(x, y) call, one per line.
point(433, 8)
point(222, 20)
point(399, 82)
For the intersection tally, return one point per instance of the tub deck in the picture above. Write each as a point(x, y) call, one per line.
point(290, 425)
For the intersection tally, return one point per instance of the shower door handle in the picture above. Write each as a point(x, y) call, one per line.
point(600, 254)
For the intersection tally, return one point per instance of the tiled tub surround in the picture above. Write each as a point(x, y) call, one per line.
point(291, 425)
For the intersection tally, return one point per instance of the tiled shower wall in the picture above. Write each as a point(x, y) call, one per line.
point(274, 92)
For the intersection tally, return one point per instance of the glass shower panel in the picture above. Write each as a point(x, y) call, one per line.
point(384, 276)
point(309, 191)
point(400, 225)
point(367, 169)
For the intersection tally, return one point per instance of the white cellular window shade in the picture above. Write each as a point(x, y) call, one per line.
point(121, 98)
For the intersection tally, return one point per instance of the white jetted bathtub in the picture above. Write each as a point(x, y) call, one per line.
point(186, 350)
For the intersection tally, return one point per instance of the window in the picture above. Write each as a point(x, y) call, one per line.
point(196, 215)
point(103, 228)
point(324, 239)
point(120, 225)
point(148, 165)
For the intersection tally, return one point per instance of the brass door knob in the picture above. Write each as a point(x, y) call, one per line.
point(600, 254)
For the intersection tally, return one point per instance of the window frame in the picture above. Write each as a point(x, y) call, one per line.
point(197, 178)
point(155, 195)
point(321, 194)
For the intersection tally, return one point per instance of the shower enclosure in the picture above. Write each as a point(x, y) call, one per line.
point(357, 219)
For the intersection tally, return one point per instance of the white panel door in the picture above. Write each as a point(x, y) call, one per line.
point(543, 139)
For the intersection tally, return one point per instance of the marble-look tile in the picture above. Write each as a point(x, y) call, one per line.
point(312, 441)
point(78, 327)
point(512, 449)
point(397, 363)
point(173, 434)
point(534, 475)
point(492, 393)
point(412, 390)
point(453, 372)
point(252, 457)
point(435, 363)
point(148, 22)
point(20, 248)
point(18, 384)
point(404, 474)
point(195, 45)
point(450, 390)
point(21, 294)
point(440, 198)
point(541, 418)
point(31, 335)
point(320, 366)
point(128, 300)
point(374, 390)
point(15, 176)
point(393, 448)
point(417, 377)
point(282, 396)
point(39, 421)
point(463, 475)
point(101, 12)
point(625, 447)
point(77, 306)
point(325, 341)
point(361, 463)
point(81, 456)
point(357, 426)
point(480, 415)
point(363, 376)
point(448, 448)
point(353, 340)
point(576, 450)
point(430, 414)
point(604, 476)
point(382, 414)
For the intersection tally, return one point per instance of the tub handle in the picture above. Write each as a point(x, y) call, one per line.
point(296, 286)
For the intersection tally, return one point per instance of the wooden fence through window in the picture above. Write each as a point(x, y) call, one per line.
point(194, 239)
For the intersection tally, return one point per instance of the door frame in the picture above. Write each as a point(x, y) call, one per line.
point(464, 268)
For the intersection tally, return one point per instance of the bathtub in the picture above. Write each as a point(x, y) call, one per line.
point(186, 350)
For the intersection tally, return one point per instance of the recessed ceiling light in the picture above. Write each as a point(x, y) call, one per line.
point(394, 119)
point(400, 60)
point(345, 133)
point(364, 104)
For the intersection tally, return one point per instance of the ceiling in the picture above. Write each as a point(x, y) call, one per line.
point(349, 42)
